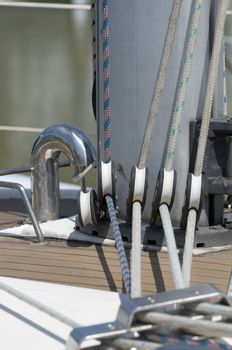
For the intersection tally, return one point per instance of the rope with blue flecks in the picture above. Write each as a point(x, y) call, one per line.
point(107, 147)
point(106, 72)
point(119, 244)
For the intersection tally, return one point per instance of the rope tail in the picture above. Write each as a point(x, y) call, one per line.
point(119, 244)
point(145, 148)
point(213, 69)
point(107, 145)
point(182, 86)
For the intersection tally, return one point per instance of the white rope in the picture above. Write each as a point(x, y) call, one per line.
point(190, 325)
point(154, 109)
point(45, 5)
point(129, 344)
point(182, 86)
point(136, 251)
point(225, 100)
point(171, 245)
point(188, 247)
point(173, 135)
point(148, 135)
point(38, 305)
point(212, 309)
point(213, 69)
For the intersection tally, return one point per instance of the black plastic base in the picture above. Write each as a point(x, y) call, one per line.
point(206, 237)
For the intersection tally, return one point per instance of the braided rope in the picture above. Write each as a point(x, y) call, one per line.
point(200, 327)
point(154, 109)
point(213, 69)
point(225, 100)
point(176, 120)
point(182, 86)
point(136, 251)
point(159, 340)
point(188, 246)
point(171, 245)
point(163, 338)
point(144, 152)
point(119, 244)
point(107, 145)
point(106, 72)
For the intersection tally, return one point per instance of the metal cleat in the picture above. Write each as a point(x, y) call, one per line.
point(132, 311)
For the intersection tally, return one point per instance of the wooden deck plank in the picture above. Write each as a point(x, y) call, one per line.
point(98, 266)
point(95, 266)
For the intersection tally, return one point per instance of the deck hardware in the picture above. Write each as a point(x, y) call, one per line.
point(28, 169)
point(106, 181)
point(135, 205)
point(164, 191)
point(132, 311)
point(27, 203)
point(137, 188)
point(87, 207)
point(56, 139)
point(193, 196)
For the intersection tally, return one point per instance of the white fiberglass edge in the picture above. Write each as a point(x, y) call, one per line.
point(23, 327)
point(65, 229)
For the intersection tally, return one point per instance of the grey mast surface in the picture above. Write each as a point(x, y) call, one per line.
point(137, 34)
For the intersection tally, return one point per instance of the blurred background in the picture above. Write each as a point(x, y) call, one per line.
point(46, 75)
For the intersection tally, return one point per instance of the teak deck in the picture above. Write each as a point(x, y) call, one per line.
point(95, 266)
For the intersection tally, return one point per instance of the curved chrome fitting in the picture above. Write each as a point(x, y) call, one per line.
point(56, 139)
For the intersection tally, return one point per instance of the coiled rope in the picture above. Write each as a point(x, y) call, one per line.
point(213, 69)
point(144, 153)
point(107, 146)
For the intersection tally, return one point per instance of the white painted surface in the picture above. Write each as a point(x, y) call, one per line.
point(23, 327)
